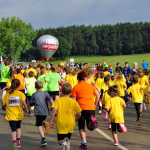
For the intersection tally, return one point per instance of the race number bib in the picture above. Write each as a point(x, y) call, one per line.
point(14, 101)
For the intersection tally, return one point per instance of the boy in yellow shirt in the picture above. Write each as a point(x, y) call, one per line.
point(65, 121)
point(137, 97)
point(116, 105)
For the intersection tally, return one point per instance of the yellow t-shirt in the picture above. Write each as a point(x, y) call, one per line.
point(72, 79)
point(9, 82)
point(31, 69)
point(13, 104)
point(143, 80)
point(123, 78)
point(106, 73)
point(115, 104)
point(147, 93)
point(121, 84)
point(137, 93)
point(99, 82)
point(105, 94)
point(65, 121)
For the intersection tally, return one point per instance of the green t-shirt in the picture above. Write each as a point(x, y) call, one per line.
point(53, 80)
point(42, 78)
point(30, 83)
point(105, 66)
point(5, 73)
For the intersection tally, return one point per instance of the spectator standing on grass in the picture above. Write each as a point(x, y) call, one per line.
point(134, 69)
point(126, 70)
point(104, 64)
point(118, 68)
point(145, 65)
point(101, 66)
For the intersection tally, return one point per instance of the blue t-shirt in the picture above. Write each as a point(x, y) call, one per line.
point(144, 65)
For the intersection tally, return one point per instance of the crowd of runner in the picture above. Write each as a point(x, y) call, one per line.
point(74, 90)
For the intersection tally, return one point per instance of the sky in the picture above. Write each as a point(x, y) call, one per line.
point(57, 13)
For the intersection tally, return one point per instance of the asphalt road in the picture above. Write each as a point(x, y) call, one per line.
point(137, 137)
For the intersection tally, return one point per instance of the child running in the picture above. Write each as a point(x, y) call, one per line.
point(137, 97)
point(65, 122)
point(42, 78)
point(30, 86)
point(40, 102)
point(99, 81)
point(13, 101)
point(116, 105)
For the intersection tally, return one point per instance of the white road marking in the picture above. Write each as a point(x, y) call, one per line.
point(110, 139)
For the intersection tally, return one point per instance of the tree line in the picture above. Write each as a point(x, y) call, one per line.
point(19, 39)
point(119, 39)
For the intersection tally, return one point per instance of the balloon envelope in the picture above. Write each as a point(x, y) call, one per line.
point(47, 45)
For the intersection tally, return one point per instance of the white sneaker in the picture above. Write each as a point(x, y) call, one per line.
point(64, 144)
point(99, 111)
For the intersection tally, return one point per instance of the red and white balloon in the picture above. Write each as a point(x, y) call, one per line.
point(47, 45)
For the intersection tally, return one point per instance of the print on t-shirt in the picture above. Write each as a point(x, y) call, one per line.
point(14, 101)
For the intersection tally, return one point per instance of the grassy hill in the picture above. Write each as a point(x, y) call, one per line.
point(111, 60)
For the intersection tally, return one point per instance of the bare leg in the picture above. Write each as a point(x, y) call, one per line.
point(13, 134)
point(115, 136)
point(18, 133)
point(41, 131)
point(68, 146)
point(83, 134)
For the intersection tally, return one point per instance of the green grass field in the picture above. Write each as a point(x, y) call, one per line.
point(110, 60)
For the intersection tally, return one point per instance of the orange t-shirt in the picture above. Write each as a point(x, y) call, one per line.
point(22, 81)
point(84, 93)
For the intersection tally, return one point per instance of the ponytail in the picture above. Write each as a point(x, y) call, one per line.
point(15, 83)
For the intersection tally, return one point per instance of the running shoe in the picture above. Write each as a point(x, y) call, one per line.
point(123, 127)
point(106, 116)
point(43, 143)
point(18, 143)
point(15, 147)
point(64, 144)
point(47, 128)
point(116, 143)
point(140, 121)
point(83, 146)
point(109, 127)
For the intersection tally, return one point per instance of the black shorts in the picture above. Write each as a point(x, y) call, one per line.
point(62, 136)
point(54, 93)
point(3, 85)
point(85, 115)
point(39, 120)
point(115, 127)
point(28, 98)
point(14, 125)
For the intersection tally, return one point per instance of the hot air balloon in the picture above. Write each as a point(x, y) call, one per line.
point(47, 46)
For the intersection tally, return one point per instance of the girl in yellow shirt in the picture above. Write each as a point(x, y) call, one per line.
point(13, 101)
point(121, 85)
point(99, 81)
point(105, 98)
point(116, 105)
